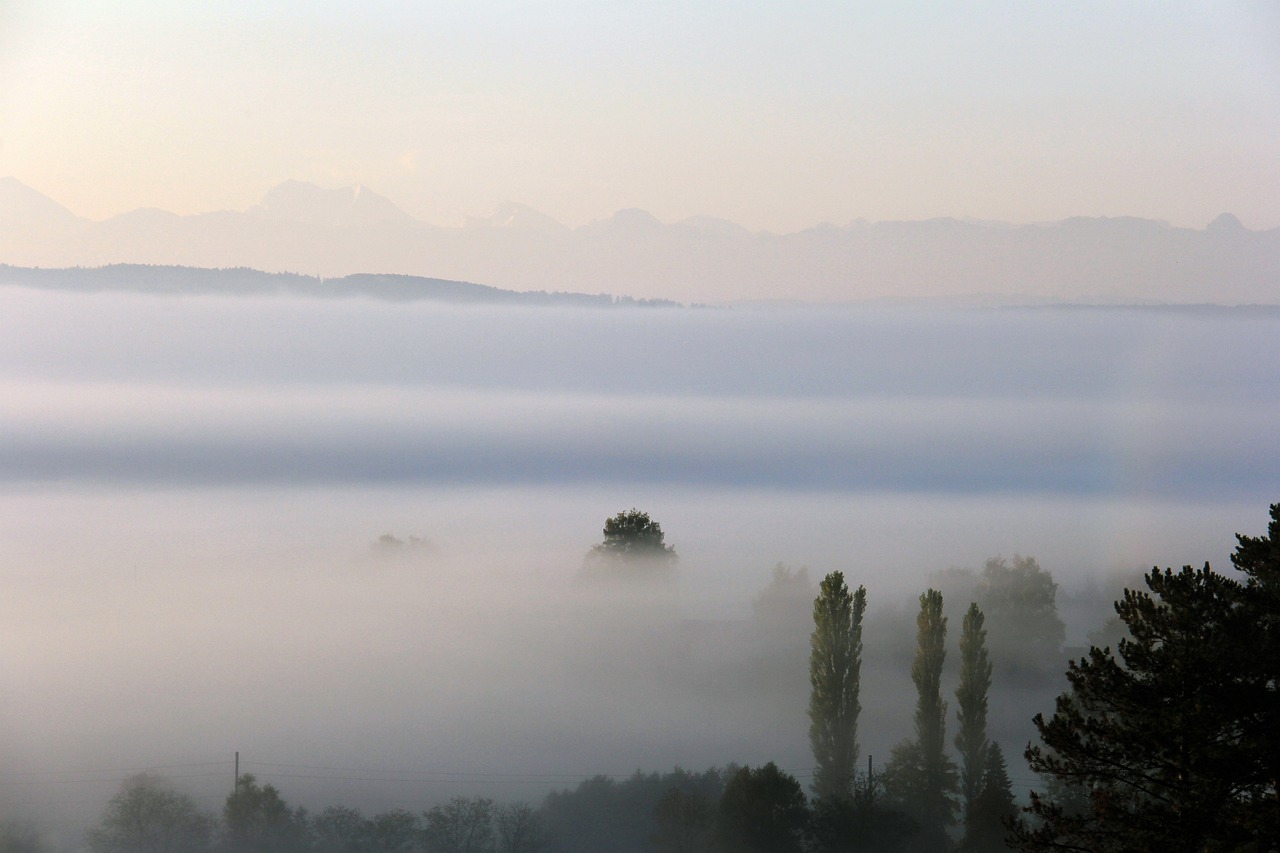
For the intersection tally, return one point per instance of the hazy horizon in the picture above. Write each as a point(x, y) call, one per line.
point(508, 210)
point(776, 119)
point(300, 228)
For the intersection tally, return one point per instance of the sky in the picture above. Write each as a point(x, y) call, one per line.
point(775, 116)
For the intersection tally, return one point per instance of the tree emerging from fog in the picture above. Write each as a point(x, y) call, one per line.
point(256, 819)
point(920, 778)
point(994, 807)
point(632, 540)
point(396, 831)
point(339, 829)
point(1019, 599)
point(835, 663)
point(462, 825)
point(632, 815)
point(684, 820)
point(762, 811)
point(149, 816)
point(971, 713)
point(520, 829)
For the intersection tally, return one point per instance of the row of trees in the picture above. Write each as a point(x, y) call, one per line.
point(149, 816)
point(1171, 742)
point(920, 782)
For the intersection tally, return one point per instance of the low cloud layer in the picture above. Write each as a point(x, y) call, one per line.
point(173, 391)
point(162, 435)
point(191, 490)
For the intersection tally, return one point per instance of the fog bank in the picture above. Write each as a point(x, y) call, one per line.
point(191, 490)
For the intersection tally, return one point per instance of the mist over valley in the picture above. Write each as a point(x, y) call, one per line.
point(346, 538)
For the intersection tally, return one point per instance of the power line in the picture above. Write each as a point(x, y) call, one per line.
point(84, 771)
point(96, 779)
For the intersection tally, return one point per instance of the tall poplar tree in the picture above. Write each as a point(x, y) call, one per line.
point(971, 697)
point(920, 778)
point(931, 710)
point(835, 662)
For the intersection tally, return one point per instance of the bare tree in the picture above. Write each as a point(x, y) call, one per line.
point(520, 829)
point(462, 825)
point(149, 816)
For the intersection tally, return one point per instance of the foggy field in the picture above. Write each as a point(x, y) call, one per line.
point(191, 490)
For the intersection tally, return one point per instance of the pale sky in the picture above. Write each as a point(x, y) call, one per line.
point(774, 115)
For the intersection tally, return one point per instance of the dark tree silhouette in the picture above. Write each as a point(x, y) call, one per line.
point(256, 819)
point(462, 825)
point(520, 829)
point(1258, 557)
point(396, 831)
point(992, 808)
point(1019, 600)
point(631, 538)
point(971, 713)
point(621, 816)
point(861, 823)
point(340, 829)
point(1175, 740)
point(149, 816)
point(835, 663)
point(920, 779)
point(684, 822)
point(762, 811)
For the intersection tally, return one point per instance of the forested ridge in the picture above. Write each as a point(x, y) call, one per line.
point(243, 281)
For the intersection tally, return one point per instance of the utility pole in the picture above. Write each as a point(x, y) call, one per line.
point(236, 786)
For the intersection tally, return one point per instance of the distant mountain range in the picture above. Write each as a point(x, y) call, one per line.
point(315, 232)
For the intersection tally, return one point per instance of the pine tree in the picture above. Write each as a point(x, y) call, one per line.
point(835, 661)
point(994, 804)
point(1259, 745)
point(1159, 737)
point(1175, 740)
point(971, 697)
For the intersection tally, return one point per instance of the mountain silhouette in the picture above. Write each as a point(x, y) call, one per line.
point(332, 233)
point(346, 207)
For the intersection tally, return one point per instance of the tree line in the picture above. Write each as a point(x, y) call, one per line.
point(1170, 741)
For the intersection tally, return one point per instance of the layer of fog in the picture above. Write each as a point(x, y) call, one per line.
point(159, 391)
point(151, 629)
point(190, 491)
point(1120, 353)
